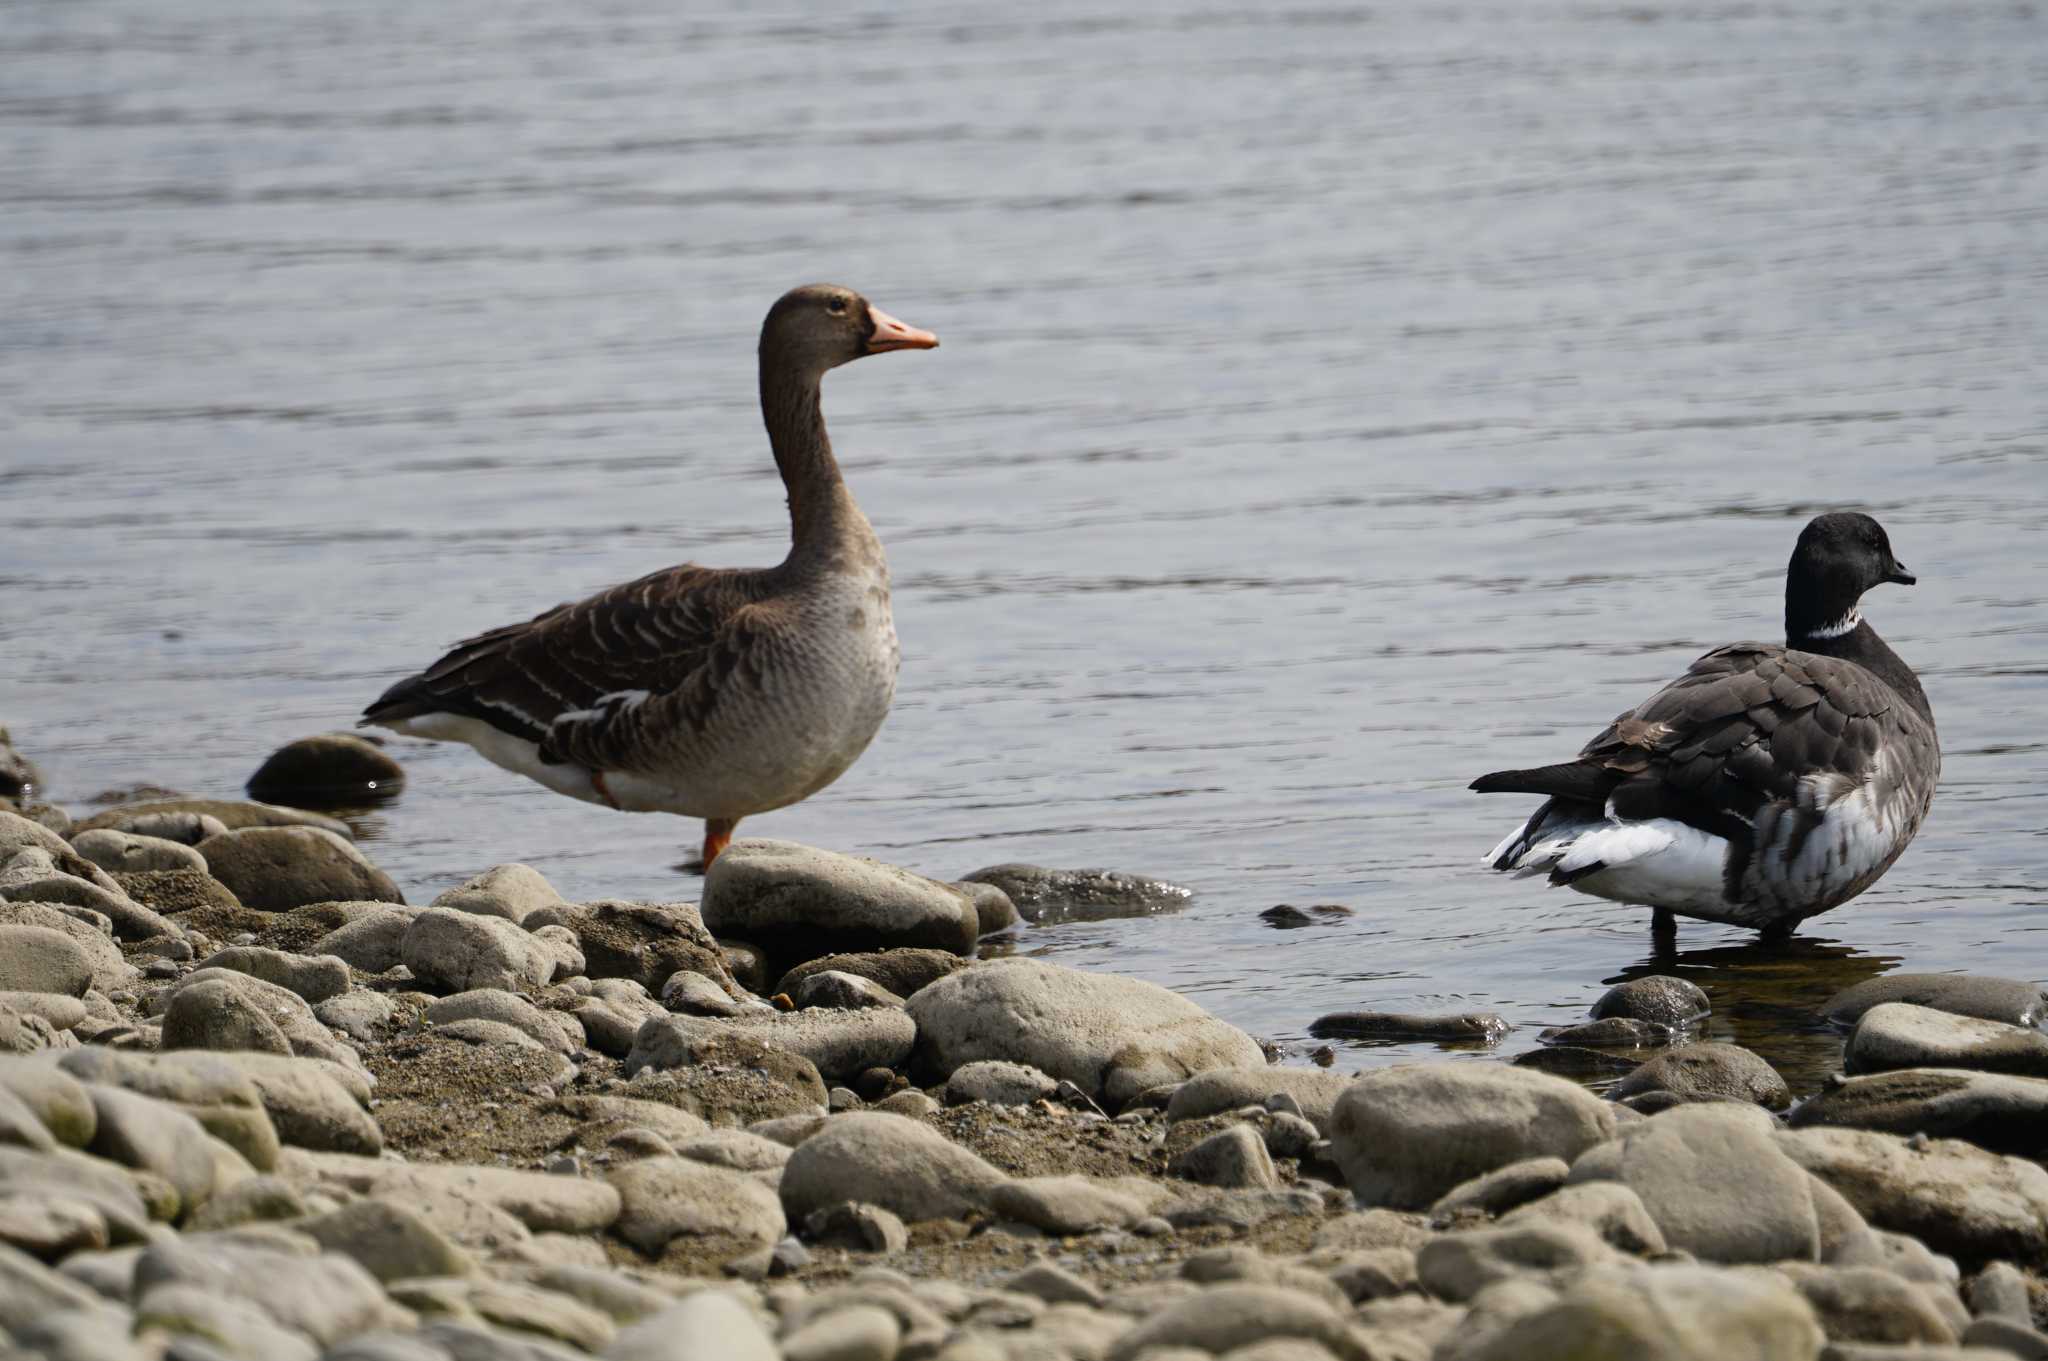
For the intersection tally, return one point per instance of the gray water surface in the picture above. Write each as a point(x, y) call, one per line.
point(1337, 402)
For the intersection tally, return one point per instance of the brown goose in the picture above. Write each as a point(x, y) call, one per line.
point(711, 692)
point(1767, 784)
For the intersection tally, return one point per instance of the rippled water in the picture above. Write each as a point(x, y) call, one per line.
point(1337, 402)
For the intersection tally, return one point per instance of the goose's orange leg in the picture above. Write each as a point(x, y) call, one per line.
point(717, 836)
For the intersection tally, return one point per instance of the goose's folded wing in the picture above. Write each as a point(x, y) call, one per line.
point(585, 681)
point(1744, 726)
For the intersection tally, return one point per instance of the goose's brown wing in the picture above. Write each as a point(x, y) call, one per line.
point(585, 681)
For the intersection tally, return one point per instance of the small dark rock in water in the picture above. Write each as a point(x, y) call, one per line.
point(1707, 1072)
point(1286, 917)
point(333, 770)
point(2011, 1000)
point(1047, 895)
point(1477, 1027)
point(1575, 1061)
point(17, 776)
point(1614, 1032)
point(1660, 998)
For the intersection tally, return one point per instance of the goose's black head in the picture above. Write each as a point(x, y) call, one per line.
point(1839, 557)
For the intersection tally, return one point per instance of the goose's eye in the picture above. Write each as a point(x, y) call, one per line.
point(837, 307)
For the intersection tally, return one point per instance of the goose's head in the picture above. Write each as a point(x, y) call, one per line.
point(821, 326)
point(1839, 557)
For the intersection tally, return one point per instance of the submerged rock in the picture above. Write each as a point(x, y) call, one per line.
point(1046, 896)
point(1472, 1027)
point(1112, 1037)
point(1615, 1032)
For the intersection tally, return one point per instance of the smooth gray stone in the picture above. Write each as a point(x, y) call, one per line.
point(1504, 1188)
point(1313, 1091)
point(667, 1198)
point(2012, 1000)
point(514, 892)
point(274, 869)
point(1894, 1035)
point(901, 1165)
point(313, 977)
point(1706, 1072)
point(709, 1323)
point(1235, 1157)
point(840, 1044)
point(1991, 1110)
point(1046, 896)
point(805, 902)
point(998, 1083)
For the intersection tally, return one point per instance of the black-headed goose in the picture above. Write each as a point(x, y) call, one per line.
point(1764, 786)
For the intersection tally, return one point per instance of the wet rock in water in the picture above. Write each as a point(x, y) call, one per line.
point(129, 853)
point(1709, 1072)
point(18, 777)
point(998, 1083)
point(1220, 1090)
point(513, 892)
point(41, 959)
point(799, 902)
point(841, 1044)
point(992, 906)
point(1471, 1027)
point(1575, 1061)
point(1714, 1183)
point(1233, 1157)
point(1046, 896)
point(1404, 1136)
point(1502, 1189)
point(667, 1198)
point(1112, 1037)
point(902, 972)
point(885, 1160)
point(1616, 1032)
point(1894, 1035)
point(451, 951)
point(1992, 1110)
point(1966, 1202)
point(843, 992)
point(333, 770)
point(2012, 1000)
point(315, 978)
point(1658, 997)
point(645, 942)
point(273, 869)
point(1286, 917)
point(1665, 1312)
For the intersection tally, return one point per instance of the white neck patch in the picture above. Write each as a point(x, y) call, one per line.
point(1846, 624)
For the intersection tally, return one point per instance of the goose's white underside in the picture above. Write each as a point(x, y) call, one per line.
point(1661, 862)
point(634, 793)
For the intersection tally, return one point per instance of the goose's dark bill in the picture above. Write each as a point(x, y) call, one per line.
point(1765, 785)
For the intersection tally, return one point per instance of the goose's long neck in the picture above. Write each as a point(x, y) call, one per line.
point(821, 510)
point(1854, 640)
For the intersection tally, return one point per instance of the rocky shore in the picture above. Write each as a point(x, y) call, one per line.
point(254, 1105)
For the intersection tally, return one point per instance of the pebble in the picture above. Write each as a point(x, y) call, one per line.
point(391, 1241)
point(1047, 896)
point(1313, 1094)
point(1074, 1204)
point(1458, 1266)
point(1476, 1027)
point(514, 892)
point(40, 959)
point(1233, 1157)
point(1223, 1317)
point(1504, 1188)
point(857, 1225)
point(371, 939)
point(645, 943)
point(130, 852)
point(1113, 1037)
point(843, 991)
point(273, 869)
point(998, 1083)
point(1404, 1136)
point(313, 977)
point(705, 1324)
point(992, 907)
point(885, 1160)
point(692, 994)
point(858, 1332)
point(840, 1044)
point(667, 1198)
point(553, 1030)
point(450, 951)
point(1670, 1312)
point(1708, 1072)
point(1658, 998)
